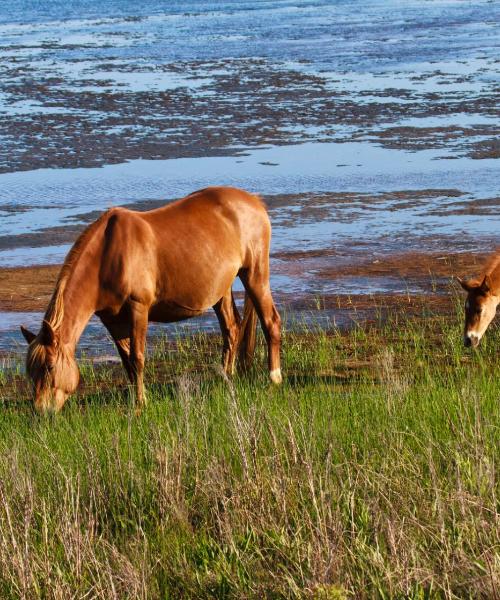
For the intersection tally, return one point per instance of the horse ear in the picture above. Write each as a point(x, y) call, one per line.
point(49, 337)
point(486, 284)
point(465, 284)
point(28, 336)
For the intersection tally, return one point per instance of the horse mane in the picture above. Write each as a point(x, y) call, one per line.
point(37, 353)
point(55, 310)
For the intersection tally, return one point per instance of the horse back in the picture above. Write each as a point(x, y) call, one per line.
point(214, 221)
point(188, 252)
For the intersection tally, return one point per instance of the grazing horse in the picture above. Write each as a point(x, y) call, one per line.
point(483, 297)
point(162, 265)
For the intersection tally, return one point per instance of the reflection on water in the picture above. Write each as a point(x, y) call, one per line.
point(19, 257)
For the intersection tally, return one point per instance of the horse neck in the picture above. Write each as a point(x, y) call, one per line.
point(493, 271)
point(73, 301)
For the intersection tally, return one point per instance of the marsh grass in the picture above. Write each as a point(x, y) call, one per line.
point(371, 473)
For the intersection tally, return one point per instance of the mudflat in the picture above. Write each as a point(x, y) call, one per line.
point(27, 288)
point(358, 275)
point(371, 139)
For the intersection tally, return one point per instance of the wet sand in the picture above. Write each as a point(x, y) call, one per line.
point(27, 289)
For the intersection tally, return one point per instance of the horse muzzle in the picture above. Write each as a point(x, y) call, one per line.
point(471, 340)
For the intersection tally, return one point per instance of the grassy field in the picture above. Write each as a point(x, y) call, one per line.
point(371, 473)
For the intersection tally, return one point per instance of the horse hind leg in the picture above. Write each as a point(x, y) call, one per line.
point(229, 321)
point(139, 321)
point(256, 282)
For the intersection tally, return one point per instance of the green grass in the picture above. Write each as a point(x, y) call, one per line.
point(371, 473)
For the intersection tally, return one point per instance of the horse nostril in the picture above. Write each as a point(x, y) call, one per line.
point(471, 339)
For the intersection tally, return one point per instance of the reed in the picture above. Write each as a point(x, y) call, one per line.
point(371, 473)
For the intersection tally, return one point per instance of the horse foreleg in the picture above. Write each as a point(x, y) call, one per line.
point(119, 329)
point(256, 283)
point(139, 327)
point(229, 321)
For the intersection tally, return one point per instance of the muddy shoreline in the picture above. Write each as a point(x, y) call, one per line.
point(289, 211)
point(184, 123)
point(28, 289)
point(92, 92)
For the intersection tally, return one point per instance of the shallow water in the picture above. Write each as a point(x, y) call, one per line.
point(306, 169)
point(93, 82)
point(95, 339)
point(95, 342)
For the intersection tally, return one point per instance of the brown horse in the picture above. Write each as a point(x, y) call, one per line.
point(163, 265)
point(483, 297)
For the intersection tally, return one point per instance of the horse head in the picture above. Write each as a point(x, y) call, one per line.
point(52, 368)
point(480, 308)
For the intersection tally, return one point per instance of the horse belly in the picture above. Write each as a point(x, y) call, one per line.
point(194, 287)
point(170, 312)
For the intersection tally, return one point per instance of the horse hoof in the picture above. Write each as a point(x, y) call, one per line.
point(276, 376)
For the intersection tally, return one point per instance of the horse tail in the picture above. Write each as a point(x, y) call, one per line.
point(248, 334)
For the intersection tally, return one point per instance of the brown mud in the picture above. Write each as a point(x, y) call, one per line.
point(26, 289)
point(428, 267)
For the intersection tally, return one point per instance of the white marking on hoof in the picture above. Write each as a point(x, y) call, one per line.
point(276, 376)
